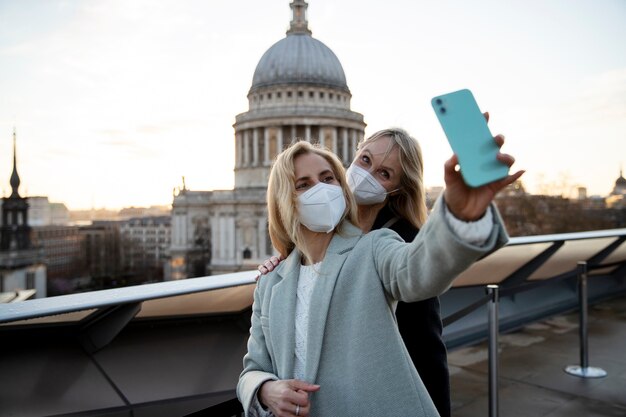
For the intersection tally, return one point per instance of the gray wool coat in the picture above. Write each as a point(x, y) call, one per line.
point(355, 352)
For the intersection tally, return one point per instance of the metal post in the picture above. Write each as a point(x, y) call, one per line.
point(493, 290)
point(584, 370)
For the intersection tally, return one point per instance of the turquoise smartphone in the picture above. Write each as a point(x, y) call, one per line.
point(470, 139)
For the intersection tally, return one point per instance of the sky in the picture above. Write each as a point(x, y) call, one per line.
point(114, 101)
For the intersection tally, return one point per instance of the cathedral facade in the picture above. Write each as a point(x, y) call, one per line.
point(299, 92)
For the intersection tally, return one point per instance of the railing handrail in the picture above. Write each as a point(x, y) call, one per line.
point(42, 307)
point(559, 237)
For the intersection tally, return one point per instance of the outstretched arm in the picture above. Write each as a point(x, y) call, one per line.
point(427, 266)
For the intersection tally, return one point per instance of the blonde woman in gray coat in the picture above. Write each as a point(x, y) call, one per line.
point(323, 340)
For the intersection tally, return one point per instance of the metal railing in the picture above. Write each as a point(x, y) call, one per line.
point(584, 370)
point(494, 293)
point(106, 299)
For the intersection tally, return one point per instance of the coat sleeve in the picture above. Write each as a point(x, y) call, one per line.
point(257, 363)
point(427, 266)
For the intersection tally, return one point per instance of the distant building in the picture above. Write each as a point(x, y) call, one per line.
point(152, 211)
point(102, 249)
point(299, 92)
point(63, 251)
point(38, 211)
point(87, 216)
point(114, 254)
point(21, 262)
point(145, 242)
point(104, 253)
point(42, 212)
point(525, 214)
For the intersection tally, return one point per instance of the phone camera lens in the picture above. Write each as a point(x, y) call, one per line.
point(438, 101)
point(442, 110)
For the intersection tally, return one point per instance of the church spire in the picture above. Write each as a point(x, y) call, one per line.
point(14, 232)
point(15, 178)
point(299, 24)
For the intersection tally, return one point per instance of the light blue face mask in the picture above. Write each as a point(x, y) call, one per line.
point(364, 186)
point(322, 207)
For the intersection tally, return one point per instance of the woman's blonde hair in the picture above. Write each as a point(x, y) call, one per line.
point(410, 201)
point(282, 200)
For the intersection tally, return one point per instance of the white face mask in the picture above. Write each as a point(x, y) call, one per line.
point(321, 207)
point(364, 186)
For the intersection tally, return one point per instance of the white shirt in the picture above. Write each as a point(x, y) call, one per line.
point(306, 283)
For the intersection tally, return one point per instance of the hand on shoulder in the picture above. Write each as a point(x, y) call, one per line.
point(268, 266)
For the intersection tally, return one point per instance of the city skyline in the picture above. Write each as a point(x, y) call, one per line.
point(115, 101)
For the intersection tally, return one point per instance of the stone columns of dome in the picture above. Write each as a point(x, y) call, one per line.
point(322, 136)
point(353, 144)
point(230, 238)
point(344, 143)
point(176, 235)
point(334, 148)
point(307, 133)
point(279, 140)
point(239, 244)
point(219, 228)
point(255, 147)
point(184, 231)
point(238, 149)
point(294, 131)
point(246, 148)
point(266, 146)
point(260, 249)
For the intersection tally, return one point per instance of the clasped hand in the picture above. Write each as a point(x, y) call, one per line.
point(287, 398)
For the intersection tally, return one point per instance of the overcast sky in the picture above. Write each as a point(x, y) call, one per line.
point(115, 100)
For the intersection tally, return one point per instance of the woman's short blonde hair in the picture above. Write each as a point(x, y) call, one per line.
point(285, 228)
point(410, 201)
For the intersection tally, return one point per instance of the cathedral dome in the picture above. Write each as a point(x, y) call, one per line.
point(299, 59)
point(620, 185)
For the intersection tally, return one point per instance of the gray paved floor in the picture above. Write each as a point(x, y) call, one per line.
point(532, 381)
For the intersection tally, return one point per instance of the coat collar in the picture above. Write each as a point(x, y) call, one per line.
point(285, 310)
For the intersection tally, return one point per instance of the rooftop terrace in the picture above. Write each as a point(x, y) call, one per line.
point(175, 348)
point(532, 360)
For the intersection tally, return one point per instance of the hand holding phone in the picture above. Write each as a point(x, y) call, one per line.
point(470, 139)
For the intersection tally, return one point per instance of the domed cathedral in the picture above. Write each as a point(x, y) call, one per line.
point(617, 198)
point(299, 92)
point(620, 185)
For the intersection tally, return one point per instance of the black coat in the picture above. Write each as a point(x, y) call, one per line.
point(421, 328)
